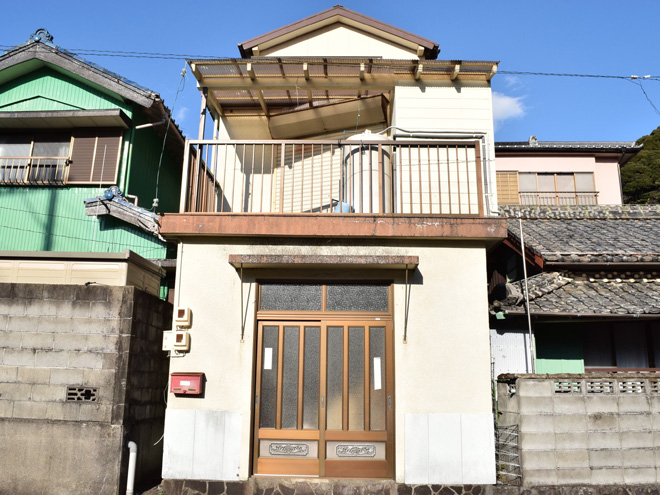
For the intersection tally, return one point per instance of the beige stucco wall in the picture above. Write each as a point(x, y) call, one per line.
point(339, 40)
point(443, 368)
point(605, 170)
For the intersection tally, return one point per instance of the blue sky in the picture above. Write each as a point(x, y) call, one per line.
point(586, 36)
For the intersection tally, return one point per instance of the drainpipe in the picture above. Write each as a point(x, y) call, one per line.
point(129, 156)
point(132, 458)
point(530, 347)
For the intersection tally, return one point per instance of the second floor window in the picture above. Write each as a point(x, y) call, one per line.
point(546, 188)
point(29, 157)
point(77, 156)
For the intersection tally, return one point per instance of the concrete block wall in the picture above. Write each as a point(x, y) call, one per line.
point(584, 429)
point(97, 337)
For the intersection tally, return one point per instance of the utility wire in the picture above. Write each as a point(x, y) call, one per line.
point(113, 243)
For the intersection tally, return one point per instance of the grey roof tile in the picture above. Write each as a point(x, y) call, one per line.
point(554, 292)
point(589, 234)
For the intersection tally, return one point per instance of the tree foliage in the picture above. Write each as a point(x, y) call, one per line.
point(641, 175)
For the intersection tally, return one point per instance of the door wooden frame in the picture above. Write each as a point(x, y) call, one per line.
point(321, 466)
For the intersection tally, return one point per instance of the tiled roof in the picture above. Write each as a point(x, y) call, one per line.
point(555, 293)
point(588, 234)
point(564, 145)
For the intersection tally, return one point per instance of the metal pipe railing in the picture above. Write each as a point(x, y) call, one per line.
point(33, 169)
point(330, 176)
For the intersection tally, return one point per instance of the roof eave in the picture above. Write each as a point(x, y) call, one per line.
point(58, 58)
point(431, 48)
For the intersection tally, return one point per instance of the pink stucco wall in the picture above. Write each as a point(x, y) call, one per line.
point(604, 168)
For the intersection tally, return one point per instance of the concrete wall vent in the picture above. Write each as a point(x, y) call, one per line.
point(568, 387)
point(82, 394)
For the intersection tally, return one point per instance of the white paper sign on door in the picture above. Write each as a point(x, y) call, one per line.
point(268, 358)
point(377, 382)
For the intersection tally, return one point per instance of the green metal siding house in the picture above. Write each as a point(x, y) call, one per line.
point(68, 130)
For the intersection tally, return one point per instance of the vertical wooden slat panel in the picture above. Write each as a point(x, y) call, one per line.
point(301, 368)
point(480, 194)
point(280, 374)
point(367, 381)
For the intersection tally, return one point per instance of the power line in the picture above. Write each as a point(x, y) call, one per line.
point(112, 243)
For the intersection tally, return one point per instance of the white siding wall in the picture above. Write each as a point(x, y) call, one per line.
point(340, 40)
point(509, 351)
point(446, 108)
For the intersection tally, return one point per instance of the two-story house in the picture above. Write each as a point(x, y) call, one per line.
point(69, 130)
point(332, 260)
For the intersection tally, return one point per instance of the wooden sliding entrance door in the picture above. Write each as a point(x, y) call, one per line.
point(323, 404)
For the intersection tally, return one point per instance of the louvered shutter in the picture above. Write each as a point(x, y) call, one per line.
point(95, 156)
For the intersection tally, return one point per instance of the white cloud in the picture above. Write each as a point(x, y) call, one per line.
point(507, 107)
point(513, 82)
point(180, 115)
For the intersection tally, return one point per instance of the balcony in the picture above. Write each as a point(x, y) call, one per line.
point(561, 198)
point(333, 177)
point(33, 170)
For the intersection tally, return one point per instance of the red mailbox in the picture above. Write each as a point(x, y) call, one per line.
point(186, 383)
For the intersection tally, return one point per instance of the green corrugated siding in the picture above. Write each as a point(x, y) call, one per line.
point(558, 349)
point(46, 89)
point(144, 169)
point(53, 219)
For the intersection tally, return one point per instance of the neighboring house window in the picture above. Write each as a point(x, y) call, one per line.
point(507, 188)
point(81, 156)
point(557, 188)
point(621, 347)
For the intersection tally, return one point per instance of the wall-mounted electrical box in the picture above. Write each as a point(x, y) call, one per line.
point(168, 340)
point(186, 383)
point(181, 340)
point(183, 317)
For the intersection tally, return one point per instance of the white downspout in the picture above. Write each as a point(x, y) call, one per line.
point(132, 458)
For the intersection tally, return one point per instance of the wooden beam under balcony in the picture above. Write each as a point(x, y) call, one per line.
point(179, 225)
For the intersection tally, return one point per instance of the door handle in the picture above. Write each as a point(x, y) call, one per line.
point(389, 402)
point(322, 401)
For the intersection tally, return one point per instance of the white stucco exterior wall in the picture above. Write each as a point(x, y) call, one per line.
point(442, 374)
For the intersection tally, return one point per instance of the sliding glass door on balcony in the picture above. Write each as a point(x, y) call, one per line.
point(323, 403)
point(408, 177)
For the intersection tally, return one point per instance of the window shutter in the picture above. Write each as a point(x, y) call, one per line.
point(507, 188)
point(95, 152)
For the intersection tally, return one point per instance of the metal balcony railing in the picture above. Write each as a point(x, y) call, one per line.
point(41, 170)
point(386, 177)
point(559, 198)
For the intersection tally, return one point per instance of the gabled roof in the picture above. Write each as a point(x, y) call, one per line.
point(39, 50)
point(337, 14)
point(554, 293)
point(588, 234)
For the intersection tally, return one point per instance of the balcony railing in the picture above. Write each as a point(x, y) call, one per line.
point(41, 170)
point(409, 177)
point(559, 198)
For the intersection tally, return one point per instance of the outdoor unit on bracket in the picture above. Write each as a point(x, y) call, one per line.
point(181, 340)
point(183, 317)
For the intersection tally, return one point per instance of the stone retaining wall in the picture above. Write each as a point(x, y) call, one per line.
point(279, 486)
